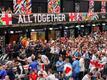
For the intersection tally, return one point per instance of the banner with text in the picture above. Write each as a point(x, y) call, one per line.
point(57, 18)
point(39, 18)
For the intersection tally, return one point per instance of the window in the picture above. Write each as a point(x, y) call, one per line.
point(97, 6)
point(84, 6)
point(39, 7)
point(68, 6)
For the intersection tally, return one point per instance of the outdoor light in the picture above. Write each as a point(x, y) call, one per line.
point(32, 30)
point(82, 25)
point(50, 28)
point(66, 27)
point(103, 24)
point(77, 26)
point(11, 32)
point(93, 24)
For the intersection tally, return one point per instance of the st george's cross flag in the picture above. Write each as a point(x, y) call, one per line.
point(96, 64)
point(71, 17)
point(6, 19)
point(68, 69)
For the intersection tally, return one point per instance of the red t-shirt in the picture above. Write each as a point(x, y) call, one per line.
point(33, 76)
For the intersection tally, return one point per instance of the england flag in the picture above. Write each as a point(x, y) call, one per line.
point(68, 69)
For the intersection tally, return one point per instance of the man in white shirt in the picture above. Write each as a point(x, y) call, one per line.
point(29, 59)
point(104, 59)
point(87, 76)
point(51, 76)
point(44, 59)
point(82, 67)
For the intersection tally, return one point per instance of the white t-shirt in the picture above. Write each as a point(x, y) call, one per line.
point(86, 77)
point(45, 59)
point(82, 66)
point(29, 59)
point(52, 50)
point(104, 60)
point(51, 77)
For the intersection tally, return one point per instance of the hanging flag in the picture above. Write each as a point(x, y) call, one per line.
point(71, 17)
point(103, 8)
point(91, 5)
point(91, 8)
point(22, 6)
point(95, 16)
point(53, 6)
point(6, 19)
point(78, 17)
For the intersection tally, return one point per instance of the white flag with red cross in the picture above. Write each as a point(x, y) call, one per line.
point(6, 19)
point(71, 17)
point(68, 69)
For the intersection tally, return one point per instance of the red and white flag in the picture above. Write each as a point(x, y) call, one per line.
point(71, 17)
point(68, 69)
point(7, 19)
point(96, 64)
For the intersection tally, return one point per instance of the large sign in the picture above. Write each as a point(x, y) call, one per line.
point(39, 18)
point(48, 19)
point(57, 18)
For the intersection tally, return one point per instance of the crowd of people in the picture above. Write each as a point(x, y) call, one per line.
point(81, 58)
point(3, 10)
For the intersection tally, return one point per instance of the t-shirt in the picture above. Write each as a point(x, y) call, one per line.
point(51, 77)
point(86, 77)
point(3, 73)
point(60, 65)
point(76, 67)
point(29, 59)
point(45, 59)
point(34, 65)
point(33, 76)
